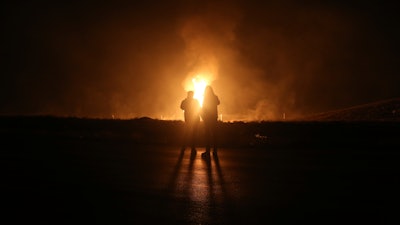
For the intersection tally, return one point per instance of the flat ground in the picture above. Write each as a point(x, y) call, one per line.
point(351, 178)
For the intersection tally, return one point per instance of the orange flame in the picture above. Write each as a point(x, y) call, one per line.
point(199, 85)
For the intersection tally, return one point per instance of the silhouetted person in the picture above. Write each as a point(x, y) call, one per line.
point(209, 113)
point(191, 108)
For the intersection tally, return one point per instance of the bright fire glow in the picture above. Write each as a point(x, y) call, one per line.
point(199, 85)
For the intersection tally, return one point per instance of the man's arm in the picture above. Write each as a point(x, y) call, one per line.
point(183, 105)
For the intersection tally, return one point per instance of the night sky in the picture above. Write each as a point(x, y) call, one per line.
point(133, 59)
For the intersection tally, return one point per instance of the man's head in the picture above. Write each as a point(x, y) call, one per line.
point(190, 94)
point(208, 91)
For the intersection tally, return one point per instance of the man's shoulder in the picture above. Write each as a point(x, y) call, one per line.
point(183, 103)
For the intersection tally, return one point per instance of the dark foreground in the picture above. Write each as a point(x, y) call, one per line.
point(280, 174)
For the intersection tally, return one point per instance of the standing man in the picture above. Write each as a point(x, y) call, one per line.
point(191, 108)
point(209, 114)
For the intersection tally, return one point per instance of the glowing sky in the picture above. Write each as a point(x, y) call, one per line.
point(126, 60)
